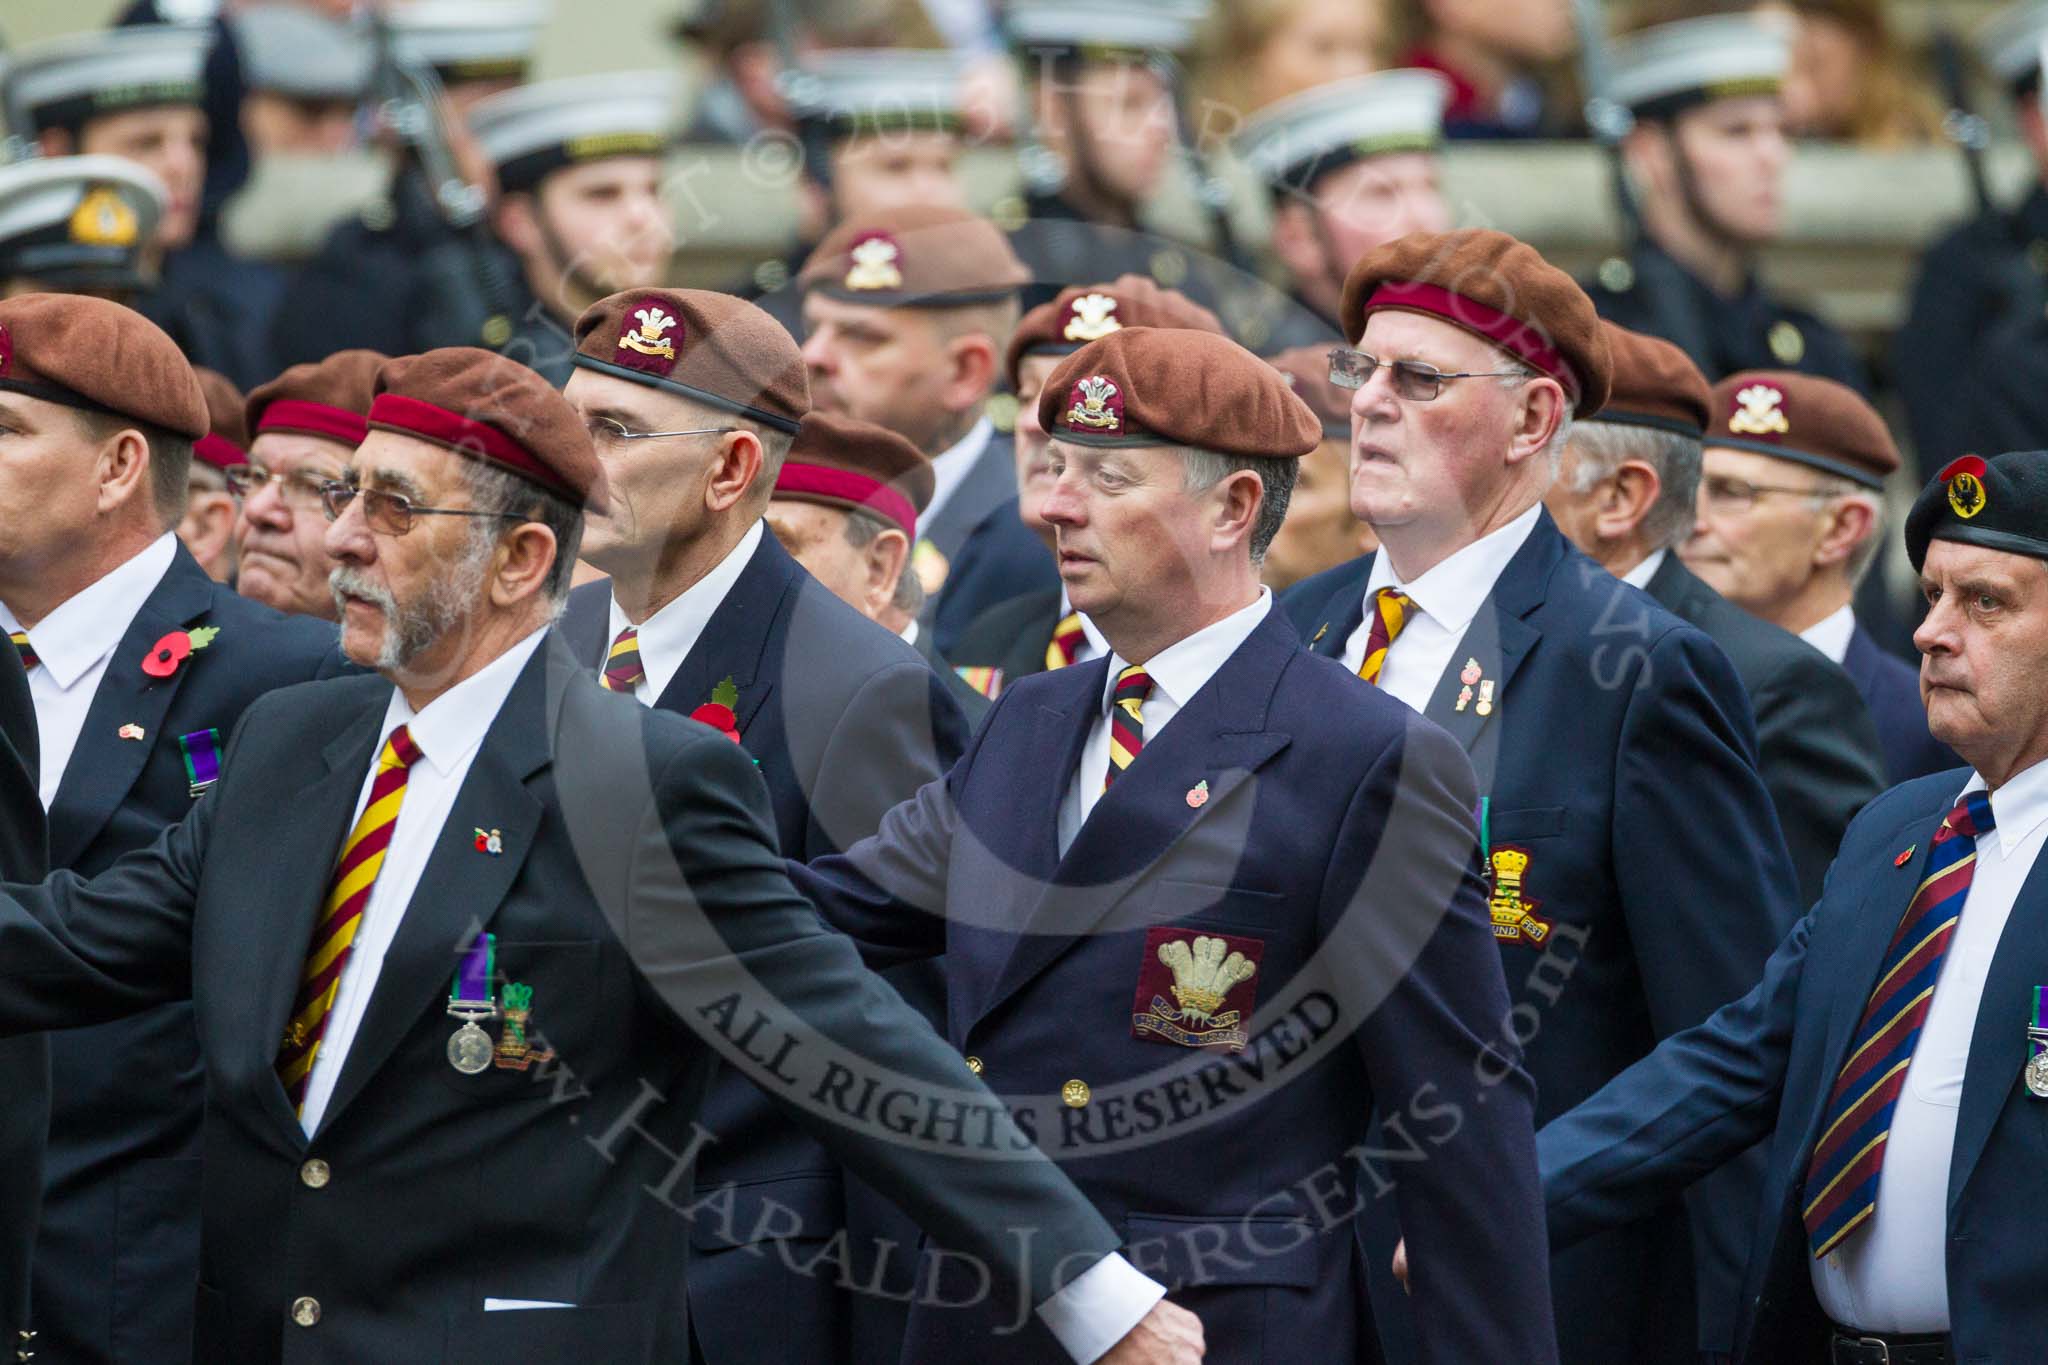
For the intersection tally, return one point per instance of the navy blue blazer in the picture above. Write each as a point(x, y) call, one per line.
point(1891, 689)
point(844, 720)
point(1255, 818)
point(1000, 560)
point(24, 1061)
point(1761, 1068)
point(1641, 880)
point(118, 1251)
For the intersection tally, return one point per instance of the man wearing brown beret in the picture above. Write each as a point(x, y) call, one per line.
point(1627, 493)
point(208, 526)
point(693, 400)
point(1321, 531)
point(906, 317)
point(1193, 855)
point(140, 665)
point(467, 994)
point(1790, 521)
point(1639, 876)
point(304, 425)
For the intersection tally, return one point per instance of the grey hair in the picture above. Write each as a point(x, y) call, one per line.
point(498, 490)
point(1521, 372)
point(1207, 468)
point(1604, 446)
point(1826, 489)
point(861, 529)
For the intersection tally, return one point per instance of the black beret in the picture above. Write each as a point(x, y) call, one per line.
point(1999, 504)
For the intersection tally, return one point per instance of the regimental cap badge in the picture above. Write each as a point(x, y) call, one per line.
point(1965, 480)
point(1091, 317)
point(875, 261)
point(1096, 405)
point(104, 218)
point(648, 337)
point(1760, 411)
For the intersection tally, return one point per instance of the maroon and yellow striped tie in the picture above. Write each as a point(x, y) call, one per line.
point(1126, 720)
point(362, 857)
point(622, 669)
point(1389, 613)
point(28, 653)
point(1066, 642)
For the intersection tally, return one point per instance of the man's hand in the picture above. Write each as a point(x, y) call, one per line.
point(1401, 1264)
point(1168, 1335)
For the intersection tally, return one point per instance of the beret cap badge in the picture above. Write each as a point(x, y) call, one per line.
point(1091, 317)
point(1760, 411)
point(1096, 405)
point(874, 263)
point(1965, 480)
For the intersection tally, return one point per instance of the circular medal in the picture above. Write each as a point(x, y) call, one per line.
point(469, 1049)
point(2037, 1076)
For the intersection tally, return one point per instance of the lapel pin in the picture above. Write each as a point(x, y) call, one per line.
point(1469, 674)
point(1198, 795)
point(489, 841)
point(1464, 698)
point(1321, 631)
point(131, 731)
point(1905, 857)
point(1485, 707)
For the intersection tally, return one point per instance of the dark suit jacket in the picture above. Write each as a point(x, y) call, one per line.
point(1816, 748)
point(1012, 636)
point(1000, 559)
point(845, 720)
point(1761, 1068)
point(119, 1243)
point(1237, 1194)
point(639, 893)
point(1891, 689)
point(25, 1061)
point(973, 706)
point(1620, 760)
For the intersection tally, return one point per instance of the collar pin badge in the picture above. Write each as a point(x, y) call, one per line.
point(1198, 795)
point(131, 731)
point(1906, 856)
point(489, 841)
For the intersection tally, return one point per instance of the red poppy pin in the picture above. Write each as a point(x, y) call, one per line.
point(167, 654)
point(718, 713)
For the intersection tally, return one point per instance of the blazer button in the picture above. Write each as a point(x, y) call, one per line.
point(974, 1065)
point(305, 1311)
point(1075, 1093)
point(315, 1174)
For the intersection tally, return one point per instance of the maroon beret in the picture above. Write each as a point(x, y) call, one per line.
point(1499, 289)
point(845, 462)
point(494, 410)
point(1307, 370)
point(1655, 384)
point(226, 442)
point(1090, 312)
point(921, 256)
point(329, 398)
point(1805, 419)
point(1148, 386)
point(710, 348)
point(101, 357)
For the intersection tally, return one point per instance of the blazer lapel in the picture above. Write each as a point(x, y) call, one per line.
point(1342, 614)
point(734, 643)
point(991, 481)
point(1998, 1047)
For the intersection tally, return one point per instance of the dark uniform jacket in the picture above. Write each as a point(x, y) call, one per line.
point(1640, 881)
point(1333, 842)
point(24, 1061)
point(993, 559)
point(638, 892)
point(1012, 636)
point(1891, 689)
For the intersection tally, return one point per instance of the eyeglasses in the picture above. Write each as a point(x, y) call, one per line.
point(1413, 381)
point(1739, 495)
point(301, 490)
point(391, 514)
point(605, 429)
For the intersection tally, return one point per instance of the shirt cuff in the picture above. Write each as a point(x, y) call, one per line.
point(1100, 1307)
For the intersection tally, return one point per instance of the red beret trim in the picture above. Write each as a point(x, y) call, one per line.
point(314, 419)
point(1517, 337)
point(843, 485)
point(218, 451)
point(478, 440)
point(1967, 464)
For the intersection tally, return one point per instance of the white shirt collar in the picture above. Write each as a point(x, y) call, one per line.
point(909, 634)
point(89, 624)
point(2019, 806)
point(668, 636)
point(1830, 635)
point(1452, 591)
point(1641, 574)
point(951, 466)
point(453, 724)
point(1184, 667)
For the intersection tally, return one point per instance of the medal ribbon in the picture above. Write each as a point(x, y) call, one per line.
point(202, 758)
point(2037, 1031)
point(471, 991)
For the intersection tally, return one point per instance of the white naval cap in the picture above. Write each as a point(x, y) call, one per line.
point(863, 91)
point(469, 40)
point(77, 222)
point(287, 49)
point(63, 82)
point(1108, 27)
point(1292, 142)
point(1661, 70)
point(536, 129)
point(2010, 43)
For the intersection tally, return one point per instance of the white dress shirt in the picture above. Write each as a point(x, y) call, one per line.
point(75, 643)
point(951, 466)
point(1178, 672)
point(1093, 645)
point(1446, 599)
point(668, 636)
point(448, 732)
point(1641, 574)
point(1830, 635)
point(1891, 1275)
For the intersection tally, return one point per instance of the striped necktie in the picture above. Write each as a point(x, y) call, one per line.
point(28, 653)
point(1126, 720)
point(1841, 1182)
point(1066, 642)
point(1389, 613)
point(622, 670)
point(362, 857)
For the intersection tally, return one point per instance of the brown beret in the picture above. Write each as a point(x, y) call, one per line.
point(1499, 289)
point(1090, 312)
point(226, 442)
point(710, 348)
point(845, 462)
point(328, 398)
point(1805, 419)
point(1307, 370)
point(1149, 386)
point(917, 256)
point(1655, 384)
point(494, 410)
point(102, 357)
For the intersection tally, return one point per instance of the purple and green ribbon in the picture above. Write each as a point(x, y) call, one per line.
point(473, 975)
point(201, 749)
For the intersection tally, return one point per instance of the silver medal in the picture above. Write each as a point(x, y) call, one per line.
point(469, 1049)
point(2037, 1076)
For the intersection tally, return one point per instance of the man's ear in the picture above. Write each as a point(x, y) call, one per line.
point(972, 362)
point(1626, 498)
point(123, 469)
point(1238, 500)
point(1851, 521)
point(885, 558)
point(1541, 411)
point(736, 470)
point(1294, 240)
point(525, 554)
point(517, 220)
